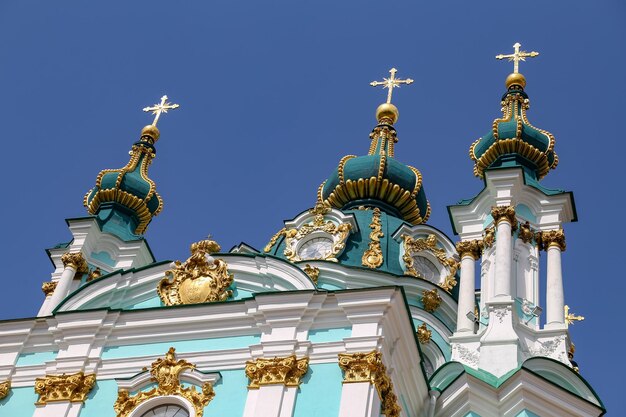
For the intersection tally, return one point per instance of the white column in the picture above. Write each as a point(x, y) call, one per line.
point(359, 399)
point(504, 254)
point(555, 302)
point(73, 262)
point(469, 252)
point(58, 409)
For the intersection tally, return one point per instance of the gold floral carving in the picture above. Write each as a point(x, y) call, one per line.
point(166, 373)
point(48, 287)
point(373, 256)
point(199, 279)
point(75, 261)
point(472, 248)
point(287, 371)
point(526, 232)
point(431, 300)
point(274, 239)
point(489, 236)
point(413, 246)
point(73, 388)
point(339, 234)
point(551, 238)
point(5, 387)
point(312, 271)
point(570, 318)
point(369, 367)
point(423, 334)
point(504, 213)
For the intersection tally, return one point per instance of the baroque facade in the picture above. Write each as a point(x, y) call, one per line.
point(355, 308)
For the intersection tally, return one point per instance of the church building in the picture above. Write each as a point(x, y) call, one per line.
point(355, 308)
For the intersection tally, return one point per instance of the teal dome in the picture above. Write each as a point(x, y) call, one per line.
point(128, 192)
point(513, 140)
point(377, 180)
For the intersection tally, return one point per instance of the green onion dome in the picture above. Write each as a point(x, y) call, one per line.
point(377, 179)
point(127, 193)
point(513, 141)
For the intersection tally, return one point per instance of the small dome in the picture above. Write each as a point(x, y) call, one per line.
point(512, 139)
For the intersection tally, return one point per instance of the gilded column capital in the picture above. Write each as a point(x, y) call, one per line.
point(504, 213)
point(76, 261)
point(5, 387)
point(369, 367)
point(48, 287)
point(55, 388)
point(472, 248)
point(551, 238)
point(287, 371)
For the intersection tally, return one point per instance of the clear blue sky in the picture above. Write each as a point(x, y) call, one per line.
point(273, 94)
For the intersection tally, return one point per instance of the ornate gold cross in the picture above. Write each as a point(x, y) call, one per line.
point(517, 56)
point(162, 107)
point(391, 83)
point(570, 318)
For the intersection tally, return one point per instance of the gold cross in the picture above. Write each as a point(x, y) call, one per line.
point(517, 56)
point(570, 318)
point(391, 83)
point(162, 107)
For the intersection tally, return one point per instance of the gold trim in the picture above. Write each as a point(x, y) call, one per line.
point(423, 334)
point(75, 261)
point(199, 279)
point(369, 367)
point(431, 300)
point(5, 388)
point(49, 287)
point(56, 388)
point(166, 373)
point(413, 246)
point(373, 256)
point(286, 371)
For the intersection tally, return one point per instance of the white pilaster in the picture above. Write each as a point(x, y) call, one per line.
point(503, 259)
point(58, 409)
point(359, 399)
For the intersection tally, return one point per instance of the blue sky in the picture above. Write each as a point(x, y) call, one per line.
point(273, 94)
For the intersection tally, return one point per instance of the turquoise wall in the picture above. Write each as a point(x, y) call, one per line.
point(472, 414)
point(230, 395)
point(527, 413)
point(35, 358)
point(101, 399)
point(19, 403)
point(129, 351)
point(320, 392)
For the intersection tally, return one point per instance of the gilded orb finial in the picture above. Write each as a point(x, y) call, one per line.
point(387, 112)
point(160, 108)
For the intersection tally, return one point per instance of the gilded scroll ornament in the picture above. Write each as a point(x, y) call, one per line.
point(166, 373)
point(274, 239)
point(48, 287)
point(338, 234)
point(369, 367)
point(423, 334)
point(75, 261)
point(287, 371)
point(413, 246)
point(373, 256)
point(199, 279)
point(504, 213)
point(551, 238)
point(73, 388)
point(312, 271)
point(431, 300)
point(5, 387)
point(472, 248)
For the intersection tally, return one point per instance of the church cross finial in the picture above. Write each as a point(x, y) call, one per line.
point(517, 56)
point(162, 107)
point(391, 83)
point(570, 318)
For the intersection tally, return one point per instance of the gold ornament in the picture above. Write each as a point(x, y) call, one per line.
point(5, 387)
point(526, 233)
point(199, 279)
point(470, 247)
point(94, 274)
point(431, 300)
point(48, 287)
point(373, 256)
point(551, 238)
point(369, 367)
point(166, 373)
point(287, 371)
point(413, 246)
point(504, 213)
point(423, 334)
point(339, 234)
point(273, 240)
point(489, 236)
point(570, 318)
point(312, 271)
point(75, 261)
point(73, 388)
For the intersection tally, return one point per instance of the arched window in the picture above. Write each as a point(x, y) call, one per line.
point(166, 410)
